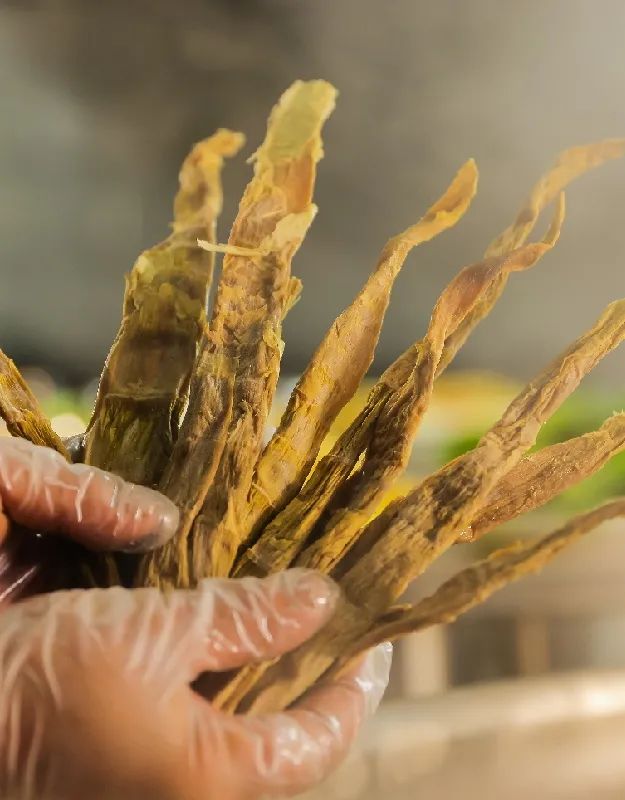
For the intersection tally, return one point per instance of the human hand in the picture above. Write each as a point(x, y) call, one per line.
point(95, 697)
point(40, 491)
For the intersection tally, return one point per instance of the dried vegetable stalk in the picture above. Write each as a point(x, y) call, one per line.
point(182, 405)
point(543, 475)
point(445, 503)
point(360, 500)
point(476, 583)
point(21, 411)
point(342, 360)
point(274, 216)
point(393, 435)
point(193, 466)
point(404, 540)
point(144, 386)
point(187, 478)
point(387, 442)
point(286, 535)
point(243, 346)
point(569, 165)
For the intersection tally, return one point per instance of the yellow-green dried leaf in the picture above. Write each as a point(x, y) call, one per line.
point(541, 476)
point(568, 166)
point(341, 361)
point(476, 583)
point(393, 435)
point(21, 411)
point(244, 343)
point(144, 387)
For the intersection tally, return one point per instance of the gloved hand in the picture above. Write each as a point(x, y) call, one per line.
point(41, 491)
point(95, 697)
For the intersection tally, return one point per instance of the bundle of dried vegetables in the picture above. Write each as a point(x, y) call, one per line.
point(184, 399)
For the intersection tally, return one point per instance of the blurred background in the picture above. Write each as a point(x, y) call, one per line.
point(101, 101)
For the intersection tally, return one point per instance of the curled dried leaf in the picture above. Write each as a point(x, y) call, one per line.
point(21, 411)
point(208, 462)
point(476, 583)
point(541, 476)
point(417, 529)
point(384, 430)
point(244, 342)
point(568, 166)
point(402, 541)
point(392, 437)
point(341, 361)
point(144, 386)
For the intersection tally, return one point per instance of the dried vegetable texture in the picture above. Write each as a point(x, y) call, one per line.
point(243, 346)
point(183, 403)
point(342, 360)
point(393, 423)
point(273, 219)
point(394, 432)
point(387, 441)
point(189, 474)
point(193, 466)
point(21, 411)
point(568, 166)
point(541, 476)
point(144, 386)
point(334, 470)
point(418, 528)
point(476, 583)
point(404, 540)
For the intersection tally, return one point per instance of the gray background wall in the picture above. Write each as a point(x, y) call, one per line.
point(100, 101)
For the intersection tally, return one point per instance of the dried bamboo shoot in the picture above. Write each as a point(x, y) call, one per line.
point(341, 362)
point(21, 411)
point(143, 389)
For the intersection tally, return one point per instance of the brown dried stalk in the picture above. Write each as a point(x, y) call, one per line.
point(387, 442)
point(144, 387)
point(21, 411)
point(274, 216)
point(341, 362)
point(445, 503)
point(404, 540)
point(242, 348)
point(541, 476)
point(476, 583)
point(188, 476)
point(568, 166)
point(193, 467)
point(393, 435)
point(330, 475)
point(209, 461)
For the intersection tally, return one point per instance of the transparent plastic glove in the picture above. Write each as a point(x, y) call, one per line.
point(95, 697)
point(40, 491)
